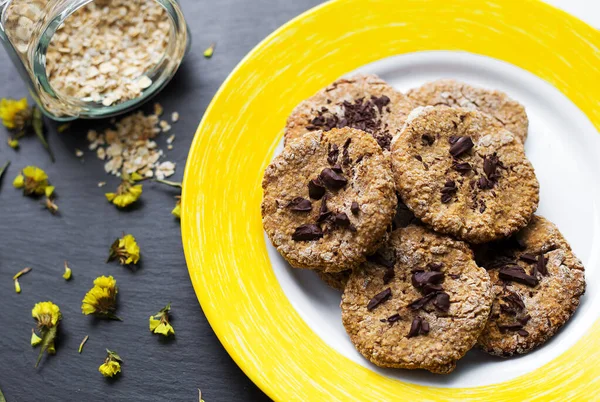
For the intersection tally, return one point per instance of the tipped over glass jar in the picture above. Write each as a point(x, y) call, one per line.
point(93, 58)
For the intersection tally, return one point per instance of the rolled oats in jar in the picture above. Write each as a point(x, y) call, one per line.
point(99, 58)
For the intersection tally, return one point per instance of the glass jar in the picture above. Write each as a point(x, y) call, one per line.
point(93, 59)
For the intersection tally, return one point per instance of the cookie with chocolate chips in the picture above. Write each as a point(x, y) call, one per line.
point(421, 304)
point(510, 113)
point(328, 199)
point(364, 102)
point(537, 284)
point(463, 174)
point(336, 280)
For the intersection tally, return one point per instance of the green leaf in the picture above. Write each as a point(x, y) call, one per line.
point(2, 170)
point(114, 356)
point(112, 253)
point(2, 398)
point(47, 339)
point(38, 127)
point(112, 316)
point(165, 309)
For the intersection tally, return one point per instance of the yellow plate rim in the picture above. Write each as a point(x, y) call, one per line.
point(586, 40)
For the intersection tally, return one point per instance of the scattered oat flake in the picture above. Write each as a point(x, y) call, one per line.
point(144, 82)
point(102, 52)
point(171, 139)
point(101, 153)
point(165, 169)
point(158, 109)
point(101, 184)
point(169, 147)
point(166, 127)
point(78, 153)
point(174, 117)
point(130, 146)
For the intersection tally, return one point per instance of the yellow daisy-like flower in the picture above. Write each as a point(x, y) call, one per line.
point(32, 180)
point(126, 250)
point(125, 195)
point(159, 323)
point(112, 364)
point(13, 143)
point(128, 192)
point(14, 112)
point(106, 282)
point(46, 313)
point(101, 300)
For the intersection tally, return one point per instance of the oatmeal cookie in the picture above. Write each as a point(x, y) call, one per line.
point(328, 199)
point(537, 282)
point(464, 175)
point(364, 102)
point(336, 280)
point(421, 305)
point(511, 114)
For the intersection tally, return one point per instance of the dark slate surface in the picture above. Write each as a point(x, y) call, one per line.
point(154, 370)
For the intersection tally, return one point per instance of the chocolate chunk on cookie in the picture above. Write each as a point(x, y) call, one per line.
point(322, 210)
point(537, 284)
point(428, 313)
point(364, 102)
point(470, 178)
point(511, 114)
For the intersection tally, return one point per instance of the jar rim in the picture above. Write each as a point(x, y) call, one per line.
point(164, 70)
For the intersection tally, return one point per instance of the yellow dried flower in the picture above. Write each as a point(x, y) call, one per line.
point(35, 340)
point(128, 192)
point(101, 300)
point(17, 286)
point(176, 212)
point(126, 250)
point(68, 272)
point(112, 364)
point(14, 113)
point(47, 315)
point(159, 323)
point(208, 53)
point(32, 180)
point(124, 198)
point(13, 143)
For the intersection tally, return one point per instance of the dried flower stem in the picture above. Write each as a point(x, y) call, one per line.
point(21, 273)
point(169, 183)
point(83, 343)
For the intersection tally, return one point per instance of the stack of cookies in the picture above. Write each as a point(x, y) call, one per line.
point(420, 208)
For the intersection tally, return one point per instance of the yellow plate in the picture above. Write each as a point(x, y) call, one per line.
point(221, 223)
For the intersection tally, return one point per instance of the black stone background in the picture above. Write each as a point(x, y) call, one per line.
point(154, 369)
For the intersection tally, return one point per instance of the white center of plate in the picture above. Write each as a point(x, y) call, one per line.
point(563, 146)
